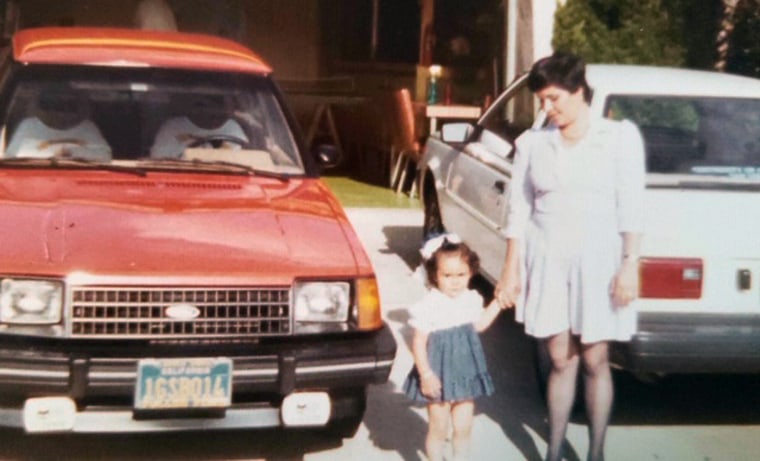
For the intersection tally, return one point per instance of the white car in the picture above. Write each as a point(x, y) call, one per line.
point(699, 306)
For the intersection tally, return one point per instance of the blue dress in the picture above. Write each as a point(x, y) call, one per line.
point(455, 352)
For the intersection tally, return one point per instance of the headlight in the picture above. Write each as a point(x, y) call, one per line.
point(30, 301)
point(322, 301)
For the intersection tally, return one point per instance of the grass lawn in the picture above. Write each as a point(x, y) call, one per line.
point(357, 194)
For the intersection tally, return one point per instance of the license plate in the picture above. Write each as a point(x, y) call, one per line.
point(183, 383)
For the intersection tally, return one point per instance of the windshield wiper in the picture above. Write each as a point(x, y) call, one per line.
point(248, 169)
point(58, 162)
point(216, 163)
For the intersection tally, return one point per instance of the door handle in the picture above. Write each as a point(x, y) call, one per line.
point(500, 186)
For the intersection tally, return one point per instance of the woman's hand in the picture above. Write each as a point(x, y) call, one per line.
point(508, 289)
point(430, 385)
point(625, 284)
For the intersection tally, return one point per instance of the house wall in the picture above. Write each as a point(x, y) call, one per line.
point(284, 32)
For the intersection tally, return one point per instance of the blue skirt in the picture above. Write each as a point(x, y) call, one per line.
point(457, 358)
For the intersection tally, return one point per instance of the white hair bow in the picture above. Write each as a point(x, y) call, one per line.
point(432, 245)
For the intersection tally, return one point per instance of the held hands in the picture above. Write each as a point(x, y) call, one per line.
point(625, 284)
point(430, 385)
point(507, 290)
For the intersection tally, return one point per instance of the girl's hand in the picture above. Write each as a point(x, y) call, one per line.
point(625, 284)
point(430, 385)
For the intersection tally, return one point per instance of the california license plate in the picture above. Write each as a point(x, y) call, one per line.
point(183, 383)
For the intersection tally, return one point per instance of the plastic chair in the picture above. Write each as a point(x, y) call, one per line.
point(406, 136)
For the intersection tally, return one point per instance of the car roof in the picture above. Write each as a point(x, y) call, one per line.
point(650, 80)
point(134, 48)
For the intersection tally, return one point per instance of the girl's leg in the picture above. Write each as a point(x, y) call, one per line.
point(461, 418)
point(438, 426)
point(599, 395)
point(560, 391)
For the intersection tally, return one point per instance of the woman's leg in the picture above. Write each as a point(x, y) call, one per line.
point(560, 391)
point(461, 419)
point(438, 427)
point(599, 395)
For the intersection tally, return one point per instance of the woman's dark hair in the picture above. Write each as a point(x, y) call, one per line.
point(561, 69)
point(449, 248)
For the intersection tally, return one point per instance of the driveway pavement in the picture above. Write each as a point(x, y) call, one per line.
point(392, 429)
point(702, 418)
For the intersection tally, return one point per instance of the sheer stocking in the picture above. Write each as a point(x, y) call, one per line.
point(560, 394)
point(599, 395)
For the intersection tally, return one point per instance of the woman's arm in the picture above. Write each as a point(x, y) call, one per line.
point(430, 384)
point(625, 284)
point(521, 195)
point(508, 287)
point(630, 179)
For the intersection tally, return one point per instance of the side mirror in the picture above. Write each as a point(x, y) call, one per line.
point(326, 155)
point(456, 132)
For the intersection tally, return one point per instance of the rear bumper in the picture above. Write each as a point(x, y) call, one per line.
point(692, 343)
point(101, 379)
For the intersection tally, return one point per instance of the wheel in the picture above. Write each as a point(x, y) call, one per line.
point(353, 407)
point(345, 428)
point(432, 224)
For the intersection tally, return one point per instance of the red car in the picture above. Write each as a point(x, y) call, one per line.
point(169, 258)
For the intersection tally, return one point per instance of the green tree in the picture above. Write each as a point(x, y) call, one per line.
point(620, 31)
point(743, 51)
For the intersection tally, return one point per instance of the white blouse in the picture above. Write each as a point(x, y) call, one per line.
point(437, 311)
point(601, 175)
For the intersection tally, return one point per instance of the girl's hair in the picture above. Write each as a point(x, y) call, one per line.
point(449, 248)
point(561, 69)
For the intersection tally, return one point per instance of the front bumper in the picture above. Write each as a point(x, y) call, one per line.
point(100, 378)
point(691, 343)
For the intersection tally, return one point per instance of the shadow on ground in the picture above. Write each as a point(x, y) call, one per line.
point(405, 242)
point(189, 446)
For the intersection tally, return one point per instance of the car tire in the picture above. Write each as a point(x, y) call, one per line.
point(432, 224)
point(347, 426)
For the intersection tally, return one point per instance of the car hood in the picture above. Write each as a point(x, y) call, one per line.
point(225, 229)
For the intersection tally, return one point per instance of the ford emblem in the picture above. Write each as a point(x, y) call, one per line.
point(182, 311)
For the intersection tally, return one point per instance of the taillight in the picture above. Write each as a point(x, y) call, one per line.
point(368, 304)
point(670, 278)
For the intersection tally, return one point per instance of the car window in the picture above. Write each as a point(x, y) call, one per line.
point(695, 135)
point(117, 115)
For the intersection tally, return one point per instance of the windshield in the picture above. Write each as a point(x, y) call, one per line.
point(146, 116)
point(695, 136)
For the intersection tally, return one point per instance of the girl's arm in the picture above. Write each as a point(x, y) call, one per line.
point(487, 317)
point(430, 384)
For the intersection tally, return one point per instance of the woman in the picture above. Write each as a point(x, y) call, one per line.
point(573, 242)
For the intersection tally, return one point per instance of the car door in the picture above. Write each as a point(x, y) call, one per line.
point(478, 178)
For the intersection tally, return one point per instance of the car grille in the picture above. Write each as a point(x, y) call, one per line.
point(143, 312)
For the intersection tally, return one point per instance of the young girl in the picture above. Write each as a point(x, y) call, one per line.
point(450, 366)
